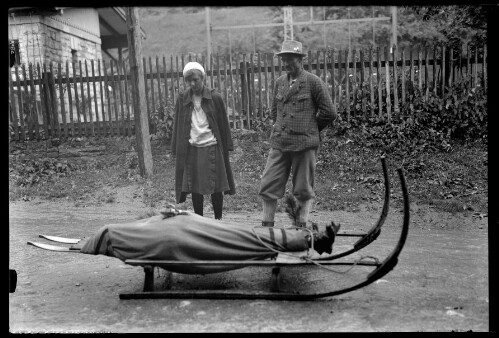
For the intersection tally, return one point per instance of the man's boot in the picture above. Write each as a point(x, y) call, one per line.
point(323, 240)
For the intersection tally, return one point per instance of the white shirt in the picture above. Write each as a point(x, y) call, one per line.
point(201, 134)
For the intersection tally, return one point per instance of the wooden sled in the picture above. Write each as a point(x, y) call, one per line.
point(380, 268)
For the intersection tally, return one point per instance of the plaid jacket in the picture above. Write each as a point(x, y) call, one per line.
point(300, 112)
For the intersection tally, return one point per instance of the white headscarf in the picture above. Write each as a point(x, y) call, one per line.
point(193, 65)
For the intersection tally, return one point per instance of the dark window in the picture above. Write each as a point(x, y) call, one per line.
point(15, 58)
point(74, 55)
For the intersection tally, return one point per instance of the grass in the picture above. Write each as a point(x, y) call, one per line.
point(347, 177)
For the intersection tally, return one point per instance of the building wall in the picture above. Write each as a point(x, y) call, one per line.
point(50, 39)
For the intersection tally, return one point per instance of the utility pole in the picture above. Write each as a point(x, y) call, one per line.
point(208, 33)
point(374, 41)
point(138, 92)
point(393, 40)
point(288, 23)
point(349, 35)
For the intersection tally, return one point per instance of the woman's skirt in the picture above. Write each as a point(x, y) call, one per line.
point(204, 171)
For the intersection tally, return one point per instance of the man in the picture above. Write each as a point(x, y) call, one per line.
point(301, 108)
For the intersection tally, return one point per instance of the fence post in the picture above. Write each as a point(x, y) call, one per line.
point(484, 65)
point(378, 78)
point(252, 95)
point(92, 129)
point(26, 104)
point(13, 107)
point(395, 80)
point(102, 105)
point(435, 69)
point(426, 72)
point(244, 90)
point(388, 99)
point(347, 82)
point(354, 81)
point(333, 89)
point(362, 86)
point(61, 97)
point(403, 75)
point(33, 90)
point(442, 67)
point(371, 89)
point(95, 99)
point(21, 105)
point(55, 114)
point(77, 101)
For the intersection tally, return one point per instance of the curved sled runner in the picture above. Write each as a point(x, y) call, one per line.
point(380, 269)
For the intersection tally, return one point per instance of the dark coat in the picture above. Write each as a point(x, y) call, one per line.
point(214, 108)
point(300, 112)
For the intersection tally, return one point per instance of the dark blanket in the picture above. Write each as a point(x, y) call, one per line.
point(190, 237)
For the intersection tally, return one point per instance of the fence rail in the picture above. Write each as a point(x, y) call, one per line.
point(94, 98)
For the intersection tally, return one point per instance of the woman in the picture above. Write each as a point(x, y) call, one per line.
point(201, 143)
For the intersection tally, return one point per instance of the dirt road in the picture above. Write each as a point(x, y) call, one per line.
point(439, 284)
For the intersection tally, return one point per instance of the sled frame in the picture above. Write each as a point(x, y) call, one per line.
point(380, 268)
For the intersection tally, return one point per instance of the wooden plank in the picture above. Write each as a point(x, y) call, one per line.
point(44, 105)
point(238, 96)
point(265, 65)
point(388, 99)
point(233, 94)
point(165, 76)
point(205, 65)
point(484, 70)
point(153, 98)
point(354, 81)
point(128, 123)
point(158, 74)
point(362, 75)
point(403, 75)
point(35, 108)
point(121, 106)
point(260, 108)
point(177, 74)
point(146, 89)
point(442, 67)
point(95, 99)
point(70, 100)
point(411, 68)
point(253, 108)
point(20, 105)
point(116, 129)
point(340, 80)
point(103, 106)
point(395, 84)
point(435, 69)
point(468, 69)
point(77, 101)
point(28, 96)
point(333, 82)
point(426, 80)
point(82, 95)
point(325, 67)
point(371, 89)
point(219, 86)
point(378, 78)
point(61, 97)
point(109, 106)
point(181, 72)
point(272, 76)
point(420, 73)
point(13, 107)
point(226, 83)
point(172, 80)
point(347, 83)
point(209, 63)
point(55, 115)
point(91, 118)
point(246, 85)
point(451, 67)
point(475, 68)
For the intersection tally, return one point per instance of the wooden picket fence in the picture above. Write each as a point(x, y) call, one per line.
point(94, 99)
